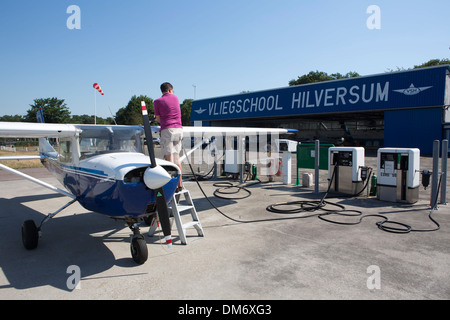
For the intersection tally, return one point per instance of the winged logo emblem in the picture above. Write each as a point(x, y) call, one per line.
point(412, 90)
point(200, 111)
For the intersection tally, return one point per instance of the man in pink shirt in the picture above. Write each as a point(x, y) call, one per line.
point(168, 114)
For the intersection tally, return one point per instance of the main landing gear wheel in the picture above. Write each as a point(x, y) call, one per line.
point(30, 235)
point(139, 250)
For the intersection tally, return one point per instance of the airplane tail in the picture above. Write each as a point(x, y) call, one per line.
point(45, 148)
point(40, 116)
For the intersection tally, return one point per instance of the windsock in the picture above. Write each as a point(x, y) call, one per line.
point(97, 87)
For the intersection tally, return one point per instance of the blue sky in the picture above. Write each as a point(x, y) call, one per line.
point(221, 47)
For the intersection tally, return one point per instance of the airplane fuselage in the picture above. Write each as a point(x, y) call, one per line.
point(104, 166)
point(112, 183)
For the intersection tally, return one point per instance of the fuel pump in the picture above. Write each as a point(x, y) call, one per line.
point(398, 174)
point(347, 164)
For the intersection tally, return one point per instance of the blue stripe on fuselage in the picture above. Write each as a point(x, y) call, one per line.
point(85, 170)
point(95, 191)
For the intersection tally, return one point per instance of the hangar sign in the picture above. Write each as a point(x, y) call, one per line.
point(418, 88)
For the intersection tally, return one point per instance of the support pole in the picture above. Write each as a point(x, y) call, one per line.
point(298, 184)
point(316, 171)
point(444, 172)
point(287, 167)
point(435, 176)
point(241, 158)
point(215, 164)
point(95, 107)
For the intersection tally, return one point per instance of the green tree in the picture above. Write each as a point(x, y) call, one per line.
point(433, 62)
point(16, 118)
point(87, 119)
point(319, 76)
point(430, 63)
point(132, 113)
point(83, 119)
point(55, 110)
point(186, 112)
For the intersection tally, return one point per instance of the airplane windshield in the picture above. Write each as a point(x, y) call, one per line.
point(96, 140)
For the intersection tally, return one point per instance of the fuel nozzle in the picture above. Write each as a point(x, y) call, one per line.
point(364, 173)
point(426, 174)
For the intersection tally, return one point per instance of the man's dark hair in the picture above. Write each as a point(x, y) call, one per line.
point(165, 87)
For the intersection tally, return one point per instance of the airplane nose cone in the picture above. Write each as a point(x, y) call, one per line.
point(156, 177)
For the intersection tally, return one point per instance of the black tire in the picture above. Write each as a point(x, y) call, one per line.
point(30, 235)
point(139, 250)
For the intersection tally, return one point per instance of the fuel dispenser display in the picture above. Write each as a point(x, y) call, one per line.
point(398, 174)
point(349, 170)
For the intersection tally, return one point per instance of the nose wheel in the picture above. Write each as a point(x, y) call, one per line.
point(139, 250)
point(138, 246)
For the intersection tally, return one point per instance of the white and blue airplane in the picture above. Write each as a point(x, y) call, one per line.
point(105, 169)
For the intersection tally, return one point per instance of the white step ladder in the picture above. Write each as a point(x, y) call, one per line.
point(177, 206)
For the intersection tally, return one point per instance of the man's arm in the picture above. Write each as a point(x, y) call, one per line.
point(156, 109)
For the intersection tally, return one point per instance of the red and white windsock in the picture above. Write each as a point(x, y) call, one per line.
point(97, 87)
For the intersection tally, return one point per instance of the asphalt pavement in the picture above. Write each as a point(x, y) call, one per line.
point(282, 259)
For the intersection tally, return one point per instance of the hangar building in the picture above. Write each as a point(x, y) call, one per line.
point(407, 109)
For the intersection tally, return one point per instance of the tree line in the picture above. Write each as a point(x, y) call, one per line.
point(56, 110)
point(318, 76)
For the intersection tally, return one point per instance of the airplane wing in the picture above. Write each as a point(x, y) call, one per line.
point(45, 130)
point(204, 132)
point(36, 130)
point(235, 130)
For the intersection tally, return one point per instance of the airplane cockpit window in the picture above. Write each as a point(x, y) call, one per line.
point(65, 151)
point(95, 140)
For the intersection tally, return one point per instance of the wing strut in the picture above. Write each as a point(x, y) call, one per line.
point(39, 182)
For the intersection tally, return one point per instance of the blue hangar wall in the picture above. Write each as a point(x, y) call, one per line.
point(414, 103)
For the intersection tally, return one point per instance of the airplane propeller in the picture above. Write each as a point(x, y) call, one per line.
point(155, 177)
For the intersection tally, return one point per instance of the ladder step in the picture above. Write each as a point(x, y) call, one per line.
point(182, 208)
point(177, 208)
point(181, 192)
point(190, 224)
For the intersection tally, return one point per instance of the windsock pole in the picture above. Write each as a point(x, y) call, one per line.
point(96, 87)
